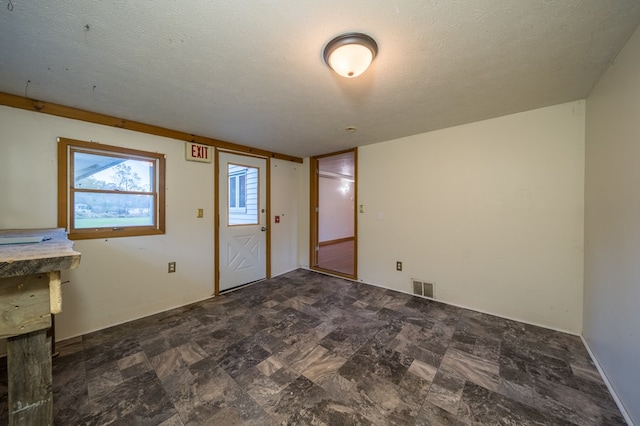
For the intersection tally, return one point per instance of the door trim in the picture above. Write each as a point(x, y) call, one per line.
point(216, 190)
point(313, 219)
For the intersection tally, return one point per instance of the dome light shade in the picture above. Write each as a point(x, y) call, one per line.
point(350, 54)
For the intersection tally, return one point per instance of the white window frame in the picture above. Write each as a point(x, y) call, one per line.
point(236, 176)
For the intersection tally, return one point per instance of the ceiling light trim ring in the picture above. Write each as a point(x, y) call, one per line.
point(352, 38)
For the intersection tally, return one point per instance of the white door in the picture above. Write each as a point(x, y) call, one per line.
point(242, 234)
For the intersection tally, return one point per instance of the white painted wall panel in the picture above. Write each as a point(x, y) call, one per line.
point(335, 220)
point(492, 212)
point(119, 279)
point(285, 178)
point(612, 227)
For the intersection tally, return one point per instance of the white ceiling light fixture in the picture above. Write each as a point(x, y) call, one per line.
point(350, 54)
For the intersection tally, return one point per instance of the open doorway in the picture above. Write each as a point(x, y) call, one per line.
point(333, 213)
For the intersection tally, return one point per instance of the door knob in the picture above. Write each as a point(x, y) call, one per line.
point(264, 228)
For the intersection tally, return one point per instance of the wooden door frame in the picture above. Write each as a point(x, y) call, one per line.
point(216, 264)
point(314, 201)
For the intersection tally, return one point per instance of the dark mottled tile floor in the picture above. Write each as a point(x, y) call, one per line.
point(308, 349)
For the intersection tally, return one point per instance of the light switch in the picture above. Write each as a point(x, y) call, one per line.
point(361, 208)
point(380, 215)
point(200, 213)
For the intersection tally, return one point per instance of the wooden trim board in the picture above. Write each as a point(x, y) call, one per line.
point(21, 102)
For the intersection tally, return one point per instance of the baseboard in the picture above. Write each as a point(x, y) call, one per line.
point(4, 354)
point(610, 387)
point(336, 275)
point(336, 241)
point(155, 312)
point(573, 333)
point(612, 391)
point(284, 272)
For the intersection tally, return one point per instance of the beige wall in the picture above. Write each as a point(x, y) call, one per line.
point(612, 225)
point(492, 212)
point(121, 279)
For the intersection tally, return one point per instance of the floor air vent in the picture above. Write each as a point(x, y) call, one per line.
point(423, 288)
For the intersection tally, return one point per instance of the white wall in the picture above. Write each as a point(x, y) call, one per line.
point(492, 212)
point(121, 279)
point(335, 218)
point(612, 227)
point(285, 177)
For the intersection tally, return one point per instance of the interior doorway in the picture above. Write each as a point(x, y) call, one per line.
point(333, 213)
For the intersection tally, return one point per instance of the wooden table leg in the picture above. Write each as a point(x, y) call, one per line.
point(30, 379)
point(51, 335)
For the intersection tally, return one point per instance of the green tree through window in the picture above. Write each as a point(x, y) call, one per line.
point(112, 191)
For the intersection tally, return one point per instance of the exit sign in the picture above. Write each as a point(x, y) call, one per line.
point(197, 152)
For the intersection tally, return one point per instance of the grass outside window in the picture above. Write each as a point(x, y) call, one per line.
point(109, 191)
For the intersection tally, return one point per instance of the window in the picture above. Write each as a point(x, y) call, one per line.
point(108, 191)
point(238, 191)
point(243, 195)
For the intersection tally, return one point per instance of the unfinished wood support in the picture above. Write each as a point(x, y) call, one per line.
point(55, 292)
point(29, 293)
point(24, 304)
point(30, 379)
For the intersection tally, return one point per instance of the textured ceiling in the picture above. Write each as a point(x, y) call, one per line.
point(252, 72)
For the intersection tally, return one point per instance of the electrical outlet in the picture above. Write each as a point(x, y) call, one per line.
point(172, 267)
point(398, 266)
